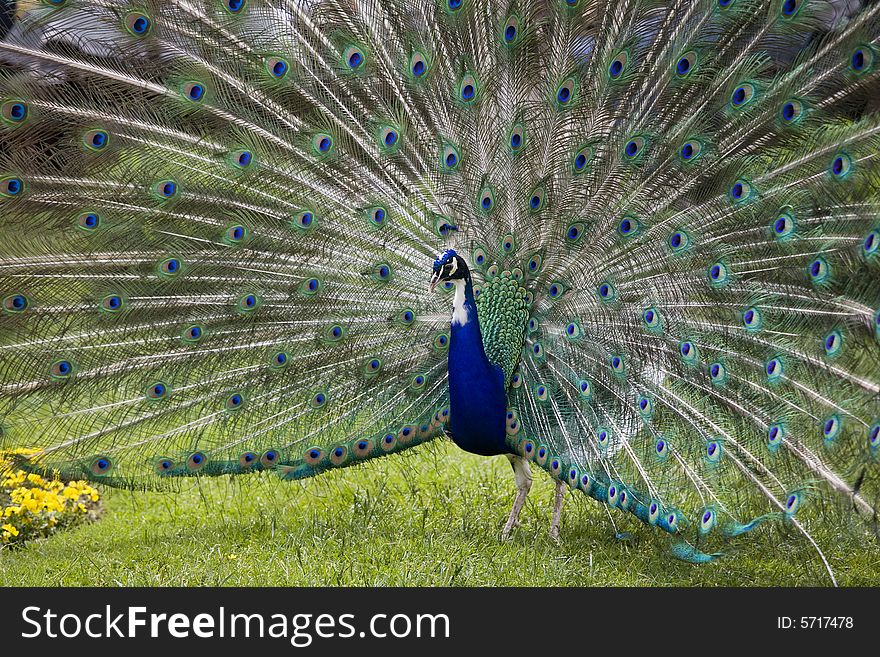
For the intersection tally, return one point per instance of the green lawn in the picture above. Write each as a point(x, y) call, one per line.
point(429, 517)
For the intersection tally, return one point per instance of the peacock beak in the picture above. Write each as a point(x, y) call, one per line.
point(434, 280)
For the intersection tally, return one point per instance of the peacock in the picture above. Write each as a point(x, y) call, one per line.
point(233, 232)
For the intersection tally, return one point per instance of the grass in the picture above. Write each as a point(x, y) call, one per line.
point(429, 517)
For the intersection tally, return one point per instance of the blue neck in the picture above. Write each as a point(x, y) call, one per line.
point(477, 399)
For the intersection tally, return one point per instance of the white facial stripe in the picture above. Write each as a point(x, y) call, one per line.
point(454, 266)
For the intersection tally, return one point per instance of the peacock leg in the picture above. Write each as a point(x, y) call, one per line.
point(557, 510)
point(523, 479)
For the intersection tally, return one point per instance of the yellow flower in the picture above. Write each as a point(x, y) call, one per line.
point(11, 529)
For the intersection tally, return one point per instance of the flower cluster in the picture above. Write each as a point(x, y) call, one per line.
point(32, 506)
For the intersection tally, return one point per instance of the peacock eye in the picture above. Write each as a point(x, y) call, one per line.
point(634, 148)
point(686, 64)
point(691, 150)
point(14, 111)
point(353, 58)
point(450, 158)
point(194, 91)
point(841, 166)
point(96, 140)
point(322, 144)
point(418, 65)
point(234, 6)
point(618, 65)
point(389, 138)
point(566, 91)
point(277, 67)
point(511, 31)
point(742, 95)
point(138, 24)
point(468, 88)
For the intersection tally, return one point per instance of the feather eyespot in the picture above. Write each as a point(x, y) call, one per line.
point(679, 241)
point(742, 95)
point(783, 225)
point(277, 67)
point(450, 158)
point(752, 319)
point(740, 191)
point(792, 111)
point(819, 270)
point(441, 342)
point(510, 33)
point(468, 88)
point(691, 150)
point(322, 144)
point(841, 166)
point(792, 503)
point(234, 6)
point(156, 391)
point(372, 366)
point(831, 427)
point(606, 291)
point(11, 186)
point(193, 333)
point(661, 447)
point(14, 111)
point(166, 189)
point(688, 352)
point(686, 64)
point(279, 360)
point(582, 159)
point(235, 234)
point(833, 343)
point(585, 388)
point(164, 465)
point(790, 8)
point(138, 24)
point(618, 65)
point(318, 399)
point(651, 317)
point(717, 373)
point(628, 226)
point(354, 58)
point(313, 456)
point(418, 65)
point(634, 148)
point(196, 462)
point(517, 137)
point(862, 59)
point(566, 91)
point(774, 369)
point(248, 303)
point(61, 369)
point(16, 303)
point(537, 199)
point(486, 200)
point(194, 91)
point(377, 216)
point(556, 289)
point(112, 303)
point(248, 460)
point(339, 455)
point(101, 466)
point(170, 267)
point(362, 448)
point(234, 401)
point(618, 364)
point(96, 140)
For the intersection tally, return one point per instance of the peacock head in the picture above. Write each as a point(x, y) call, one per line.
point(449, 266)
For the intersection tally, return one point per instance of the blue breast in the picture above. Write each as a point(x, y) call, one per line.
point(477, 399)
